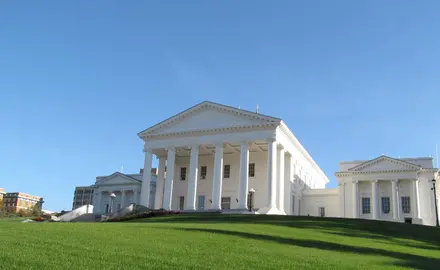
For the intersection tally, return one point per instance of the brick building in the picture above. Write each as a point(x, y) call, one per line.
point(15, 201)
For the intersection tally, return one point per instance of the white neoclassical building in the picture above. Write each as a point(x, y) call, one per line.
point(219, 157)
point(125, 187)
point(388, 189)
point(213, 157)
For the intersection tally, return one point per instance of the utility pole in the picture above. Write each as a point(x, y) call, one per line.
point(435, 203)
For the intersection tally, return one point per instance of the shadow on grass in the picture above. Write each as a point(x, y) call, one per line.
point(370, 229)
point(406, 260)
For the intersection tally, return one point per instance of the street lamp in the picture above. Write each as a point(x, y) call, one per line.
point(435, 202)
point(112, 198)
point(251, 198)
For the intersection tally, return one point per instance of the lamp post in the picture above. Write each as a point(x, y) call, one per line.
point(251, 198)
point(112, 198)
point(435, 202)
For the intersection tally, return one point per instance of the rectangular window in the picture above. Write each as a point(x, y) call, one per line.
point(203, 172)
point(406, 205)
point(251, 169)
point(181, 202)
point(201, 203)
point(293, 204)
point(183, 173)
point(322, 211)
point(106, 208)
point(226, 202)
point(386, 205)
point(226, 171)
point(365, 205)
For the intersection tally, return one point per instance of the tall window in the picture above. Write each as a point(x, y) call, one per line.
point(201, 202)
point(183, 173)
point(251, 169)
point(226, 171)
point(322, 211)
point(385, 205)
point(181, 202)
point(203, 172)
point(293, 204)
point(406, 205)
point(365, 205)
point(226, 202)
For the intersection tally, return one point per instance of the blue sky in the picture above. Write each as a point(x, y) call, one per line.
point(79, 79)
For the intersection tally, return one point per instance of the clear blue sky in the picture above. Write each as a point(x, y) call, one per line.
point(79, 79)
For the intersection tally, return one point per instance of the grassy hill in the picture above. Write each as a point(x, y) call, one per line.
point(220, 242)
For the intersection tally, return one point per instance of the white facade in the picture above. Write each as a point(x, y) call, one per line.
point(218, 157)
point(388, 189)
point(126, 187)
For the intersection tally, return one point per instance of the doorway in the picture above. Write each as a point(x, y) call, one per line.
point(408, 220)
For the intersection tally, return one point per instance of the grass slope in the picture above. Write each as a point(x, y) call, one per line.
point(220, 242)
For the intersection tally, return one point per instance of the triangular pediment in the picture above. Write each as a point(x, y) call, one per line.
point(207, 116)
point(384, 163)
point(117, 178)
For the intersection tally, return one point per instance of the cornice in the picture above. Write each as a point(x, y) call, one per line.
point(211, 131)
point(342, 174)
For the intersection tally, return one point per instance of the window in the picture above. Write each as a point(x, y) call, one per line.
point(365, 205)
point(406, 205)
point(226, 171)
point(183, 173)
point(201, 203)
point(106, 208)
point(386, 205)
point(322, 211)
point(226, 202)
point(251, 169)
point(181, 202)
point(203, 172)
point(293, 204)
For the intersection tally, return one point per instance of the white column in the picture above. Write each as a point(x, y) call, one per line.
point(122, 199)
point(98, 205)
point(271, 172)
point(375, 199)
point(192, 181)
point(146, 179)
point(415, 189)
point(394, 198)
point(342, 200)
point(160, 183)
point(217, 177)
point(244, 176)
point(288, 176)
point(355, 200)
point(169, 179)
point(280, 178)
point(135, 197)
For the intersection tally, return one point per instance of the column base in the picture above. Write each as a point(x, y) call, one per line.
point(270, 211)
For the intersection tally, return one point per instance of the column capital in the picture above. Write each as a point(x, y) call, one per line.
point(395, 180)
point(341, 184)
point(148, 150)
point(280, 147)
point(171, 148)
point(219, 144)
point(194, 146)
point(355, 181)
point(270, 140)
point(375, 181)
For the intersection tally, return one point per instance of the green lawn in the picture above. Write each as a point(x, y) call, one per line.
point(220, 242)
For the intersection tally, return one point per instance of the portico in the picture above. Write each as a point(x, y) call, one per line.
point(215, 154)
point(388, 189)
